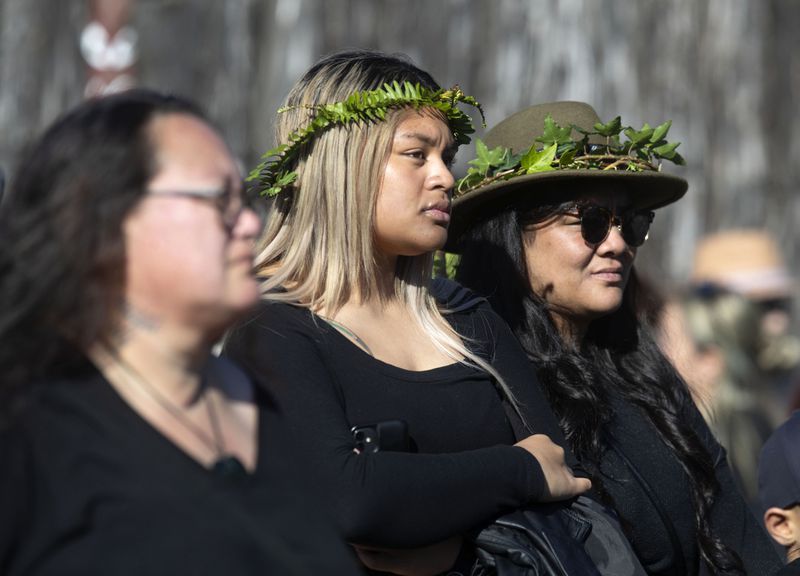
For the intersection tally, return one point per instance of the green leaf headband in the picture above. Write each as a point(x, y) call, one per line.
point(273, 174)
point(640, 152)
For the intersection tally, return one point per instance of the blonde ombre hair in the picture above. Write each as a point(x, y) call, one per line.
point(318, 248)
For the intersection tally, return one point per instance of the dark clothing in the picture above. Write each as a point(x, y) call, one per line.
point(636, 438)
point(465, 472)
point(791, 569)
point(87, 486)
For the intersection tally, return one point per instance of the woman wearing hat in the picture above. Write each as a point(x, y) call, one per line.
point(549, 235)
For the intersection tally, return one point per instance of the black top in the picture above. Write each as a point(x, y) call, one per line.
point(791, 569)
point(87, 486)
point(464, 473)
point(635, 439)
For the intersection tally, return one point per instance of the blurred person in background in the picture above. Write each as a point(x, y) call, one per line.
point(729, 337)
point(712, 336)
point(126, 250)
point(749, 262)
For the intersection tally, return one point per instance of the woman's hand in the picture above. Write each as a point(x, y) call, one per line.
point(561, 483)
point(426, 561)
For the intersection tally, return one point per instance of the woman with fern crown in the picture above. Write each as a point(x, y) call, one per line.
point(548, 222)
point(350, 334)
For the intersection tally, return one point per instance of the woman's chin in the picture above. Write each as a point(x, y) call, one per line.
point(248, 297)
point(606, 308)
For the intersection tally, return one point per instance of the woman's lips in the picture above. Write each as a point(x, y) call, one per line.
point(438, 215)
point(439, 211)
point(610, 274)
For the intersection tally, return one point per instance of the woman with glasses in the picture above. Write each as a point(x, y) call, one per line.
point(548, 222)
point(126, 251)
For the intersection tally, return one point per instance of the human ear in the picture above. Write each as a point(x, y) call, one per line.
point(780, 526)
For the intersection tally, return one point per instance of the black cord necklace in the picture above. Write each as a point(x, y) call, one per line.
point(226, 465)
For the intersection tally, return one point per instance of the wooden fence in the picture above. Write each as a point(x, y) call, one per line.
point(727, 72)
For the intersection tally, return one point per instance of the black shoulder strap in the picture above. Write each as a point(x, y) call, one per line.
point(453, 296)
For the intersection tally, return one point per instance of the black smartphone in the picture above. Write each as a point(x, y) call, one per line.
point(385, 436)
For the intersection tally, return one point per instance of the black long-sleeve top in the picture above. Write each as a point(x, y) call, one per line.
point(635, 439)
point(87, 486)
point(465, 471)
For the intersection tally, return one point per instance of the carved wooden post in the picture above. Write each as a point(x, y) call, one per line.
point(109, 47)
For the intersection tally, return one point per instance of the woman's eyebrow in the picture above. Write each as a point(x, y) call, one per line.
point(425, 138)
point(432, 141)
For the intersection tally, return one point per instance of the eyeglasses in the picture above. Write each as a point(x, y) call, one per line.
point(229, 204)
point(596, 223)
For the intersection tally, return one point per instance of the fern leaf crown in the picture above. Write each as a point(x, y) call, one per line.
point(273, 174)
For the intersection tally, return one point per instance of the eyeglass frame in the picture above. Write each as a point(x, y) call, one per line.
point(221, 198)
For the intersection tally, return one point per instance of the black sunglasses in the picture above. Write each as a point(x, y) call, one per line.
point(596, 223)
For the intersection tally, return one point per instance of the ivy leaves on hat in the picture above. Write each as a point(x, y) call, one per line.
point(555, 149)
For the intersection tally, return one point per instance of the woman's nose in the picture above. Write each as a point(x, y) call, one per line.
point(614, 242)
point(442, 176)
point(248, 224)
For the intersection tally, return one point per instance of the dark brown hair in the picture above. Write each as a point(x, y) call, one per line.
point(62, 251)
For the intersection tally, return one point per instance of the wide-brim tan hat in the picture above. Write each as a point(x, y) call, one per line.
point(746, 261)
point(647, 189)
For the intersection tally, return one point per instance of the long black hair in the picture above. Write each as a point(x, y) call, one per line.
point(618, 353)
point(62, 253)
